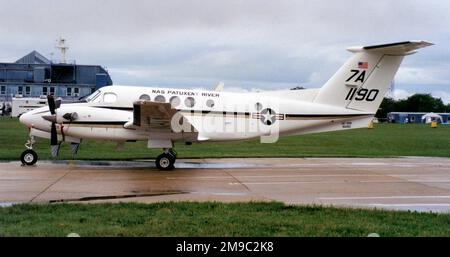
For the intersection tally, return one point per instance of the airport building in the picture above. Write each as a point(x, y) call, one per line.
point(36, 76)
point(418, 117)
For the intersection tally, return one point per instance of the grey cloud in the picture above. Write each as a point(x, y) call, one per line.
point(195, 43)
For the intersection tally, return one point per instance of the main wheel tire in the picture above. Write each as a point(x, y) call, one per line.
point(28, 157)
point(165, 161)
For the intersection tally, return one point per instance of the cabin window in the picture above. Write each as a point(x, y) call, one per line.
point(44, 90)
point(27, 90)
point(160, 98)
point(76, 91)
point(20, 90)
point(189, 102)
point(109, 98)
point(69, 91)
point(3, 90)
point(175, 101)
point(144, 97)
point(52, 90)
point(210, 103)
point(258, 106)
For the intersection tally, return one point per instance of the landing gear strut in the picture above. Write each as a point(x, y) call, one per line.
point(29, 157)
point(166, 160)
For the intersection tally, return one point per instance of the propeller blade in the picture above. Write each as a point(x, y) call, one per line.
point(54, 141)
point(55, 150)
point(51, 104)
point(53, 135)
point(58, 103)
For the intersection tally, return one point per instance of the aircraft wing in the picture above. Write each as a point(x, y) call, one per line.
point(156, 116)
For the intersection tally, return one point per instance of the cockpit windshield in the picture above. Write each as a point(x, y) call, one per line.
point(92, 97)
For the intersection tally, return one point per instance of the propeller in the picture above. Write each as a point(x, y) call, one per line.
point(52, 118)
point(53, 105)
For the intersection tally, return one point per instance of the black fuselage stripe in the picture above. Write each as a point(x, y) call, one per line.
point(324, 115)
point(98, 122)
point(115, 108)
point(215, 112)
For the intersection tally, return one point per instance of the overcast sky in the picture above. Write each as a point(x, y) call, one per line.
point(246, 44)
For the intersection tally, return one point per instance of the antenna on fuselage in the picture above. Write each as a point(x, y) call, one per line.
point(219, 87)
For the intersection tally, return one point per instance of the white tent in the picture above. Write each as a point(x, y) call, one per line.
point(429, 117)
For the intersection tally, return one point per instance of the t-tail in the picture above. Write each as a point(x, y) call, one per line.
point(361, 83)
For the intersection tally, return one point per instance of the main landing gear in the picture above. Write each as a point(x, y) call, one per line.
point(29, 156)
point(166, 160)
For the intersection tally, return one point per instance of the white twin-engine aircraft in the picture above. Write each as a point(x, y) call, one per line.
point(163, 116)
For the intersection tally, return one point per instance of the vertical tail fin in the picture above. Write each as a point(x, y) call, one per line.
point(364, 79)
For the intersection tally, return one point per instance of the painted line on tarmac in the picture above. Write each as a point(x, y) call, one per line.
point(343, 182)
point(7, 204)
point(387, 197)
point(411, 205)
point(291, 182)
point(405, 181)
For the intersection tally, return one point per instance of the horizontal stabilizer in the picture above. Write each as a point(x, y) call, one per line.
point(394, 48)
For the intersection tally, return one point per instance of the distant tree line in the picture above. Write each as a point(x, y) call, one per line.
point(414, 103)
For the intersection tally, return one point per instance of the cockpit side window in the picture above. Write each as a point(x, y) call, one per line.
point(93, 97)
point(109, 97)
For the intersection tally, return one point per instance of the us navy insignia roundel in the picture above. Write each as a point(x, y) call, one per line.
point(268, 116)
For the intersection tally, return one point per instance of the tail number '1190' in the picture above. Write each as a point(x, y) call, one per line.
point(362, 94)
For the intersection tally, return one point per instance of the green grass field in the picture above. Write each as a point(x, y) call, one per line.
point(213, 219)
point(385, 140)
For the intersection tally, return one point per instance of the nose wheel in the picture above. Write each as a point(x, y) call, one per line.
point(28, 157)
point(166, 160)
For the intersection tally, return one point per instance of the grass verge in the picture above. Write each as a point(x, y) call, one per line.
point(214, 219)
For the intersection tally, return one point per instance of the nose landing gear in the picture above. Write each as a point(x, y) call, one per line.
point(166, 160)
point(29, 156)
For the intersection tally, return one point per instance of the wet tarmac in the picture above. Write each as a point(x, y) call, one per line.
point(410, 183)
